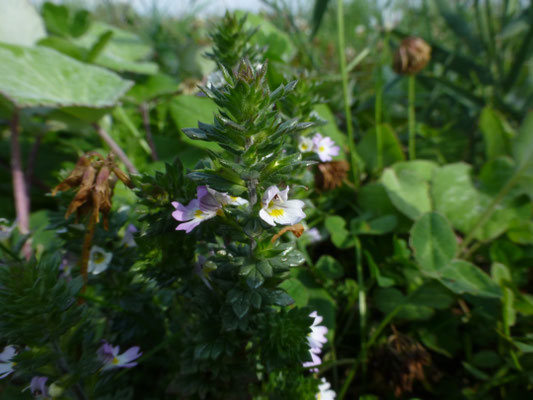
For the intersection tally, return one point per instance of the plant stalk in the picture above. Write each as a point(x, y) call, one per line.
point(489, 211)
point(20, 192)
point(362, 300)
point(149, 138)
point(378, 116)
point(412, 117)
point(115, 148)
point(63, 366)
point(86, 251)
point(344, 73)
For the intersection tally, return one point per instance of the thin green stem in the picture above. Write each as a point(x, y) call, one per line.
point(362, 299)
point(344, 73)
point(412, 117)
point(489, 211)
point(378, 116)
point(351, 374)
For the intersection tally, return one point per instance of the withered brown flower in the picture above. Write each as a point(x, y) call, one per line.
point(412, 56)
point(94, 177)
point(400, 362)
point(331, 174)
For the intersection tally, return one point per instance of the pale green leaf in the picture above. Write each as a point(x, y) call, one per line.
point(42, 77)
point(407, 187)
point(20, 24)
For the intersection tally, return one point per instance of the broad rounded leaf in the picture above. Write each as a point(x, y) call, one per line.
point(42, 77)
point(461, 277)
point(19, 23)
point(407, 187)
point(456, 196)
point(433, 242)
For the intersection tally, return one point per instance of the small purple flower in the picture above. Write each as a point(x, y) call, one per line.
point(109, 356)
point(6, 365)
point(202, 208)
point(38, 387)
point(325, 147)
point(128, 240)
point(207, 205)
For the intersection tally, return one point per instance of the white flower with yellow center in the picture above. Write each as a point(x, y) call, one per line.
point(305, 144)
point(277, 209)
point(6, 365)
point(99, 260)
point(325, 147)
point(325, 392)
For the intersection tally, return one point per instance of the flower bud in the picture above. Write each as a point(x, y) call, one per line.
point(412, 56)
point(55, 390)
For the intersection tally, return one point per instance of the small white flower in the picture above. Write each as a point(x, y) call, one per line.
point(110, 357)
point(6, 365)
point(225, 199)
point(99, 260)
point(305, 144)
point(325, 147)
point(360, 30)
point(324, 391)
point(313, 235)
point(277, 209)
point(317, 337)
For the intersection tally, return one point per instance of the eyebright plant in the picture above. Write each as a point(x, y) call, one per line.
point(240, 329)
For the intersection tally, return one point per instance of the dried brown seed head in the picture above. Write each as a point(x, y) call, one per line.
point(412, 56)
point(94, 177)
point(331, 174)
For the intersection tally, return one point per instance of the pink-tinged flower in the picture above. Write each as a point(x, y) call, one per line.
point(277, 209)
point(315, 362)
point(317, 336)
point(129, 240)
point(6, 365)
point(38, 387)
point(109, 356)
point(224, 199)
point(316, 339)
point(325, 147)
point(325, 392)
point(305, 144)
point(204, 207)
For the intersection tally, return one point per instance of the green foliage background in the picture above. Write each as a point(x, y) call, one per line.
point(433, 253)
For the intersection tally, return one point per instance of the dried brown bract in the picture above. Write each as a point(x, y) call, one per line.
point(297, 229)
point(412, 56)
point(94, 177)
point(331, 174)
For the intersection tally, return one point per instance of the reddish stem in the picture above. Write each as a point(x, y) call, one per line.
point(22, 201)
point(115, 148)
point(86, 251)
